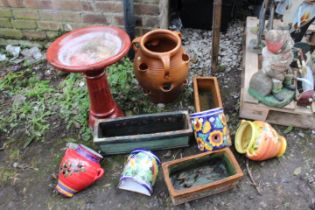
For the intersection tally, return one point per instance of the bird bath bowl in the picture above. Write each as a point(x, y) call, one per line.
point(89, 51)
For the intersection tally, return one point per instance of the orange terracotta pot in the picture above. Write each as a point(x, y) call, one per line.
point(259, 140)
point(160, 64)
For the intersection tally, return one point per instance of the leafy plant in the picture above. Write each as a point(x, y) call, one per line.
point(30, 101)
point(74, 104)
point(29, 106)
point(34, 101)
point(126, 90)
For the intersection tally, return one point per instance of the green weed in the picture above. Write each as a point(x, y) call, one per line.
point(14, 154)
point(29, 104)
point(126, 90)
point(74, 104)
point(6, 174)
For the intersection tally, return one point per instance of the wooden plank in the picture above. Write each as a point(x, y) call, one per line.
point(300, 117)
point(311, 28)
point(251, 58)
point(216, 26)
point(258, 112)
point(250, 111)
point(290, 106)
point(303, 110)
point(290, 119)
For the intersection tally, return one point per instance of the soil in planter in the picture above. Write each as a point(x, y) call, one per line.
point(206, 100)
point(143, 125)
point(160, 45)
point(201, 172)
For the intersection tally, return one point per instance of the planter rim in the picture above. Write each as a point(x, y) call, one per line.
point(238, 137)
point(185, 131)
point(230, 179)
point(159, 32)
point(204, 77)
point(91, 150)
point(207, 112)
point(214, 81)
point(149, 152)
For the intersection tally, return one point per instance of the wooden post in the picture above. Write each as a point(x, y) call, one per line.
point(216, 26)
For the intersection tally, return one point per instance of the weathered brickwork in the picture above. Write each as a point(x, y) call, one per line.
point(46, 19)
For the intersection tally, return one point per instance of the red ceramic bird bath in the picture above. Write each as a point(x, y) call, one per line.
point(89, 51)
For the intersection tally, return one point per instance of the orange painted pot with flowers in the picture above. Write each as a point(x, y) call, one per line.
point(259, 140)
point(210, 129)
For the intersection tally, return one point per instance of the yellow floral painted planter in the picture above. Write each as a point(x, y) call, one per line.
point(259, 140)
point(210, 129)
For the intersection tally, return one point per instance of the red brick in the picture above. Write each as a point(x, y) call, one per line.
point(48, 25)
point(109, 6)
point(37, 4)
point(25, 14)
point(62, 16)
point(118, 20)
point(146, 9)
point(93, 18)
point(72, 26)
point(66, 5)
point(11, 3)
point(34, 35)
point(3, 3)
point(87, 6)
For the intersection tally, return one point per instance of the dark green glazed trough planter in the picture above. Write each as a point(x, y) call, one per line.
point(149, 131)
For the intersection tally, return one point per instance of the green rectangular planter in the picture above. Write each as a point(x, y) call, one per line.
point(150, 131)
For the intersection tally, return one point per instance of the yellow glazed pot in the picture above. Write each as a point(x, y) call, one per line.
point(259, 141)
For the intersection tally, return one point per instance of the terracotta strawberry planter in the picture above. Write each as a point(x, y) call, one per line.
point(201, 175)
point(161, 64)
point(150, 131)
point(206, 93)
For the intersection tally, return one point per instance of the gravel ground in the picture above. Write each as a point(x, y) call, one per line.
point(198, 45)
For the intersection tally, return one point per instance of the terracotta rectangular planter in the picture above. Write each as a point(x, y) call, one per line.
point(150, 131)
point(206, 93)
point(173, 168)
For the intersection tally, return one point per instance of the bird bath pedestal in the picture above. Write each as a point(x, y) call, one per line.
point(89, 51)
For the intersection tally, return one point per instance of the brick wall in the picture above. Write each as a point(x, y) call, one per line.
point(46, 19)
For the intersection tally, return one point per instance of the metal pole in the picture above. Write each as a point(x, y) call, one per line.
point(261, 22)
point(272, 13)
point(216, 27)
point(129, 21)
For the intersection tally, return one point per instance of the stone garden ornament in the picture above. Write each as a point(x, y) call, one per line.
point(274, 84)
